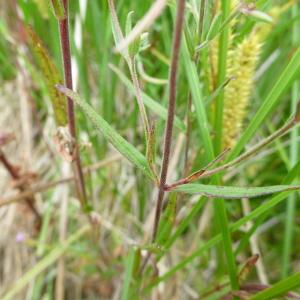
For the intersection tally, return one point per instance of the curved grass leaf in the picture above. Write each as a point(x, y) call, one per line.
point(125, 148)
point(50, 75)
point(231, 192)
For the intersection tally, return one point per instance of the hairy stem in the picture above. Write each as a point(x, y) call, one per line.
point(171, 111)
point(66, 57)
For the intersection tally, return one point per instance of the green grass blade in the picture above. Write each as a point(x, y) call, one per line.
point(47, 261)
point(294, 150)
point(231, 192)
point(125, 148)
point(278, 289)
point(195, 87)
point(128, 275)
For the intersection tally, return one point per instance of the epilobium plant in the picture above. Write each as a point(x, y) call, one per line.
point(185, 105)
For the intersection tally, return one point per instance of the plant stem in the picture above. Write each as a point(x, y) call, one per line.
point(66, 57)
point(222, 64)
point(171, 111)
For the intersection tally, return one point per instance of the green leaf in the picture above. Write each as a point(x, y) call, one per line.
point(167, 221)
point(133, 48)
point(230, 192)
point(278, 289)
point(125, 148)
point(148, 101)
point(43, 264)
point(265, 208)
point(126, 291)
point(257, 15)
point(197, 97)
point(116, 29)
point(215, 27)
point(50, 75)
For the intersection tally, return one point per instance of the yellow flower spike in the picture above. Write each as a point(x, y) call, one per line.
point(242, 64)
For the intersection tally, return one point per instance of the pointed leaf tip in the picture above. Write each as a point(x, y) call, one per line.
point(120, 144)
point(232, 192)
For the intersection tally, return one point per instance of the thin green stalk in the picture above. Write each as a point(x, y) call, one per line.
point(222, 64)
point(294, 149)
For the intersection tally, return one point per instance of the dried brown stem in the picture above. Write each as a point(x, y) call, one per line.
point(66, 57)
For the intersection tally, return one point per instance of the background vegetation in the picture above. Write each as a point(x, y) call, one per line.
point(237, 86)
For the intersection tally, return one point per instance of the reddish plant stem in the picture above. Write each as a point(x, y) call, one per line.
point(171, 111)
point(66, 57)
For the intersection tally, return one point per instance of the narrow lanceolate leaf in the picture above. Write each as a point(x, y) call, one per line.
point(278, 289)
point(231, 192)
point(125, 148)
point(50, 75)
point(116, 29)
